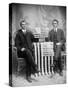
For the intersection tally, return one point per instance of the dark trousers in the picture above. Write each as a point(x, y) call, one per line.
point(57, 59)
point(58, 65)
point(30, 63)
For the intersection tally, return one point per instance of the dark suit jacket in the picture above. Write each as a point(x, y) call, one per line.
point(60, 36)
point(24, 40)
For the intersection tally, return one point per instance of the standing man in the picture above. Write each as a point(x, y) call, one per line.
point(56, 35)
point(24, 43)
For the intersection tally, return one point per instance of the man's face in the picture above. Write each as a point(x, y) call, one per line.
point(55, 24)
point(23, 25)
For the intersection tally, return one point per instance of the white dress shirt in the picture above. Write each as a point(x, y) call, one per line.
point(24, 31)
point(55, 29)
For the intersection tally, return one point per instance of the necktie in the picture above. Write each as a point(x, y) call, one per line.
point(54, 30)
point(55, 40)
point(24, 32)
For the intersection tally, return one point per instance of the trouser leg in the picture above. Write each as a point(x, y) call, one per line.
point(58, 58)
point(30, 60)
point(55, 66)
point(60, 64)
point(28, 70)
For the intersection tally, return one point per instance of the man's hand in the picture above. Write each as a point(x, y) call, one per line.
point(22, 49)
point(59, 43)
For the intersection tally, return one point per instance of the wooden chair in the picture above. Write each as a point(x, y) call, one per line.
point(21, 65)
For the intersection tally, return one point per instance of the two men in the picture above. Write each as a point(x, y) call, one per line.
point(56, 35)
point(24, 43)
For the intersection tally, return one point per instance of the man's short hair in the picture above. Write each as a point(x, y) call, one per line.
point(22, 21)
point(55, 20)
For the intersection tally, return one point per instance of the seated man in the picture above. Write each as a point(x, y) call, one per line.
point(24, 43)
point(56, 35)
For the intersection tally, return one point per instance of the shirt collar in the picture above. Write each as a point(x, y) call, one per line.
point(24, 30)
point(55, 29)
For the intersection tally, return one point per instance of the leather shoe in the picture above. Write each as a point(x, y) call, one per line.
point(37, 71)
point(28, 79)
point(61, 74)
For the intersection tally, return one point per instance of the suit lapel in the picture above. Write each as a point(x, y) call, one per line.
point(24, 36)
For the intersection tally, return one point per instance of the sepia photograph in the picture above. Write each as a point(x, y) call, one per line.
point(37, 44)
